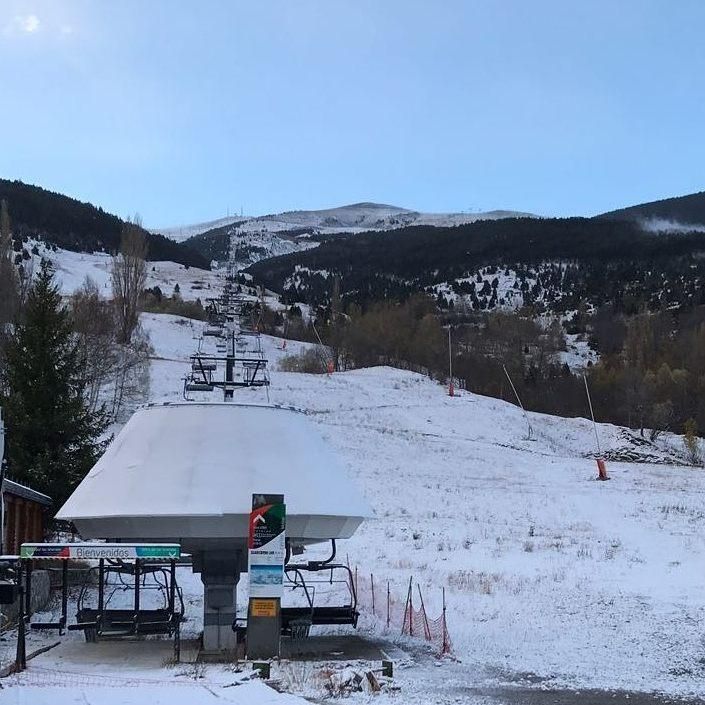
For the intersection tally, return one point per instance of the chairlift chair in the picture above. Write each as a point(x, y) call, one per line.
point(102, 620)
point(297, 621)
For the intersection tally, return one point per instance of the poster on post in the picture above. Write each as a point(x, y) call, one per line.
point(267, 545)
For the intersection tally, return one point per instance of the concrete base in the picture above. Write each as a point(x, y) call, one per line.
point(220, 572)
point(264, 632)
point(219, 595)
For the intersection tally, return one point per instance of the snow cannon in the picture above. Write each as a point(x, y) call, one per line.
point(186, 473)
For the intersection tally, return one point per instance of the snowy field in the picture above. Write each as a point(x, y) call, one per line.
point(552, 579)
point(72, 268)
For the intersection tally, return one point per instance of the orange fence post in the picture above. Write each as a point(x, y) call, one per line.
point(372, 587)
point(601, 469)
point(409, 609)
point(427, 629)
point(446, 647)
point(388, 599)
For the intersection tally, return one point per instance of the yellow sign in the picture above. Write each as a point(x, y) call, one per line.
point(263, 608)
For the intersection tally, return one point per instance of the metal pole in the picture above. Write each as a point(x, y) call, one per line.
point(445, 628)
point(172, 586)
point(592, 415)
point(28, 588)
point(450, 356)
point(21, 654)
point(516, 394)
point(2, 485)
point(427, 628)
point(101, 586)
point(372, 587)
point(451, 391)
point(64, 594)
point(388, 601)
point(137, 592)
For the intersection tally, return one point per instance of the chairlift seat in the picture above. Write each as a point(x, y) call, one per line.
point(293, 616)
point(197, 366)
point(122, 622)
point(199, 387)
point(253, 365)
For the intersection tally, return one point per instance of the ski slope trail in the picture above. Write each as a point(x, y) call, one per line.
point(546, 570)
point(559, 588)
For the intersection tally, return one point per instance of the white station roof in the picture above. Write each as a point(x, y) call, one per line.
point(187, 472)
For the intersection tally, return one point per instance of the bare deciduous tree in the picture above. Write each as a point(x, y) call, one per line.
point(131, 374)
point(93, 320)
point(129, 274)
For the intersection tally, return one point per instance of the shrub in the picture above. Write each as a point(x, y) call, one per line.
point(154, 303)
point(308, 361)
point(692, 442)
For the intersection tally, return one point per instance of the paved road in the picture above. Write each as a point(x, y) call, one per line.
point(531, 696)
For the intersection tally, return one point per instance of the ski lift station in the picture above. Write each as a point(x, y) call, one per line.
point(186, 473)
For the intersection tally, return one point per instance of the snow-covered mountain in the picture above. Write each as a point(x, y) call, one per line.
point(357, 217)
point(261, 237)
point(179, 233)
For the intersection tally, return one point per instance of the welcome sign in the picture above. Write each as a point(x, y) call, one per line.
point(94, 551)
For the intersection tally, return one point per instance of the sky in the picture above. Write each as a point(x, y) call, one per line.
point(186, 111)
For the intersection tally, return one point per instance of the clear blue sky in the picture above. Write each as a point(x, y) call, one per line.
point(180, 110)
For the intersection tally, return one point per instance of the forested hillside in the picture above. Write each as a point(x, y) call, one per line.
point(74, 225)
point(550, 264)
point(212, 244)
point(685, 210)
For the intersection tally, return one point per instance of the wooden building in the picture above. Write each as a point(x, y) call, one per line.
point(24, 517)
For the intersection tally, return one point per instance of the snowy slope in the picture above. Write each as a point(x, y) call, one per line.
point(546, 570)
point(249, 246)
point(179, 233)
point(552, 579)
point(72, 268)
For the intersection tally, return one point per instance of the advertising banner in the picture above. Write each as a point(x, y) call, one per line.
point(267, 545)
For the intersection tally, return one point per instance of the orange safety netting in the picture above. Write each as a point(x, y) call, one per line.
point(376, 599)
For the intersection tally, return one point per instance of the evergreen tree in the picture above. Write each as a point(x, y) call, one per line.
point(52, 435)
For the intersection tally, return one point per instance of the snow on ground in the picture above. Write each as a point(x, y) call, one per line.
point(578, 352)
point(551, 577)
point(359, 217)
point(72, 268)
point(193, 283)
point(546, 570)
point(179, 233)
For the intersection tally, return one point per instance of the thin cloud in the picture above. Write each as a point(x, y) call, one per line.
point(29, 23)
point(22, 24)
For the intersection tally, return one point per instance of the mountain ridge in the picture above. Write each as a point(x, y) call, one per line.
point(353, 217)
point(676, 213)
point(36, 212)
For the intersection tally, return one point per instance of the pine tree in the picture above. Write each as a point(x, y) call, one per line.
point(52, 435)
point(9, 292)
